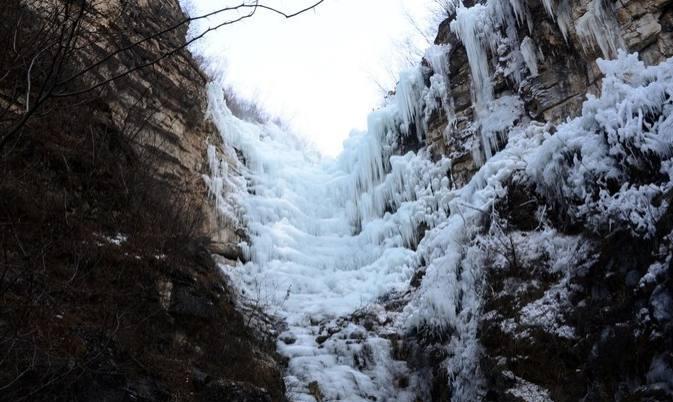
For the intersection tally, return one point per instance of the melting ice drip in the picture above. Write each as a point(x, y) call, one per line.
point(332, 237)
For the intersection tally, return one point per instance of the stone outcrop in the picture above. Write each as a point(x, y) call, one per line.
point(165, 105)
point(170, 103)
point(566, 70)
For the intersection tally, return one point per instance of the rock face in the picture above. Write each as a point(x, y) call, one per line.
point(165, 105)
point(602, 332)
point(109, 291)
point(564, 66)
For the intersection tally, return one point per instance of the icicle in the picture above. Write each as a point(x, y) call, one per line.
point(598, 27)
point(409, 93)
point(479, 28)
point(561, 15)
point(472, 25)
point(520, 9)
point(549, 7)
point(529, 54)
point(437, 57)
point(499, 116)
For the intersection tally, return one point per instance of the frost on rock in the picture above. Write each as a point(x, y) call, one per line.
point(527, 391)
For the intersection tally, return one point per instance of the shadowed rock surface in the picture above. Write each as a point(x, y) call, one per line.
point(108, 290)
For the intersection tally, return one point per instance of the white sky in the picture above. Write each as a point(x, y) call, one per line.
point(320, 72)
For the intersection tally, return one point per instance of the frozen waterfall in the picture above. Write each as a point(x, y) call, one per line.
point(335, 243)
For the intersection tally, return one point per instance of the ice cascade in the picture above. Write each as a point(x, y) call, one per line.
point(335, 244)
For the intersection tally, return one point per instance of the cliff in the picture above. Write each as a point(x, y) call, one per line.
point(540, 57)
point(501, 232)
point(108, 288)
point(547, 59)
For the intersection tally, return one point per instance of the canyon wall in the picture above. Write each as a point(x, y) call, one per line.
point(109, 288)
point(543, 54)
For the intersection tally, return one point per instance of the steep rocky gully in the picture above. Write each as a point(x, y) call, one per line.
point(501, 232)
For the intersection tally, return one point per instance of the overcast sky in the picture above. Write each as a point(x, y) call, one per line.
point(322, 71)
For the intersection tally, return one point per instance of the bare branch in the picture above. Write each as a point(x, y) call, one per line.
point(155, 35)
point(49, 90)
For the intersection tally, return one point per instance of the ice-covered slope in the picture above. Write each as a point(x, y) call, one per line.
point(335, 239)
point(400, 277)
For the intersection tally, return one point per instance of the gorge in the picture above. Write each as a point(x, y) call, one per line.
point(502, 231)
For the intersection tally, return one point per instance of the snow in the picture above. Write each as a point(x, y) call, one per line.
point(330, 238)
point(116, 240)
point(655, 271)
point(661, 372)
point(496, 119)
point(662, 304)
point(527, 391)
point(609, 141)
point(547, 312)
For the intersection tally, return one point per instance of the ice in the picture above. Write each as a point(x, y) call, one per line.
point(529, 53)
point(598, 27)
point(607, 143)
point(520, 9)
point(437, 56)
point(409, 90)
point(333, 238)
point(473, 26)
point(496, 119)
point(560, 13)
point(662, 304)
point(491, 29)
point(661, 372)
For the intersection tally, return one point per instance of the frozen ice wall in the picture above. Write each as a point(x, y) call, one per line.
point(335, 243)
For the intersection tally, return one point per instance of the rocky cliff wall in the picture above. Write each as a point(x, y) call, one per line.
point(592, 325)
point(166, 104)
point(563, 40)
point(108, 290)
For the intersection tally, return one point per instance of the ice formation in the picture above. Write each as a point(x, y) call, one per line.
point(529, 54)
point(489, 28)
point(598, 27)
point(331, 240)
